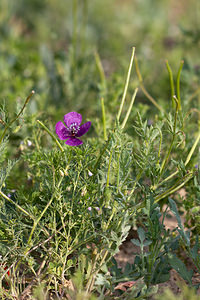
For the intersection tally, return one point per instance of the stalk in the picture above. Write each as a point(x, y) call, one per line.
point(129, 109)
point(126, 84)
point(192, 149)
point(175, 187)
point(186, 162)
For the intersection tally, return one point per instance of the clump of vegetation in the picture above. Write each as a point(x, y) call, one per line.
point(67, 204)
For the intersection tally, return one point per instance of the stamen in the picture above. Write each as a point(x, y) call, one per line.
point(74, 128)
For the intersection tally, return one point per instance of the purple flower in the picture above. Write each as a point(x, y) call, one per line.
point(73, 129)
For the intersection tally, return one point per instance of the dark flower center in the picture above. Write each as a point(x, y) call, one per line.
point(74, 129)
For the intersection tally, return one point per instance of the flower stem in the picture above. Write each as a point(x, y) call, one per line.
point(129, 109)
point(126, 84)
point(53, 137)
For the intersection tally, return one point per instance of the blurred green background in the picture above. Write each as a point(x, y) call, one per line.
point(50, 46)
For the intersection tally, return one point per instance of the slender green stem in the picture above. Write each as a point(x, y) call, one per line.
point(186, 162)
point(18, 115)
point(126, 84)
point(171, 79)
point(175, 187)
point(53, 137)
point(151, 99)
point(129, 109)
point(103, 118)
point(192, 149)
point(18, 206)
point(142, 256)
point(178, 84)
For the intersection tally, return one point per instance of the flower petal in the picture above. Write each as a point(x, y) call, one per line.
point(72, 141)
point(83, 129)
point(72, 117)
point(62, 131)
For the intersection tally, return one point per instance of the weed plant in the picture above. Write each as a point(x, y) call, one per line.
point(66, 210)
point(72, 207)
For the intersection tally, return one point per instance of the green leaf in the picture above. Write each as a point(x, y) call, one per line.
point(185, 235)
point(179, 266)
point(147, 243)
point(141, 234)
point(136, 242)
